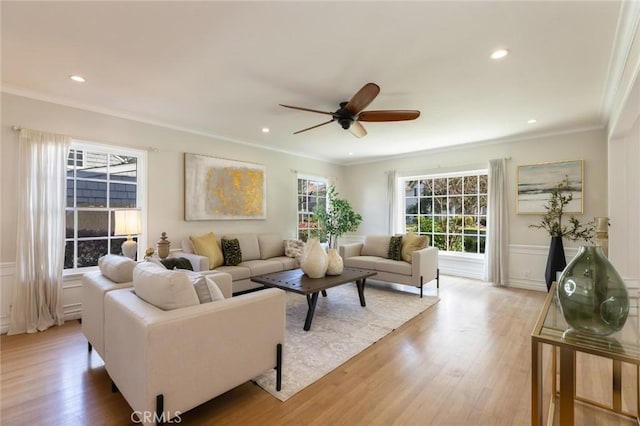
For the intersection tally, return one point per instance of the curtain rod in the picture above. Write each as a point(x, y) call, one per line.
point(17, 128)
point(439, 166)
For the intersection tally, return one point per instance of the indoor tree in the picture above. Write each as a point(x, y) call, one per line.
point(337, 219)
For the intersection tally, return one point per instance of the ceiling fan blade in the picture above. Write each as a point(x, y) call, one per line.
point(357, 129)
point(389, 115)
point(306, 109)
point(363, 98)
point(313, 127)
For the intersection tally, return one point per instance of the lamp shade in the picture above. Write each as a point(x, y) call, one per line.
point(127, 222)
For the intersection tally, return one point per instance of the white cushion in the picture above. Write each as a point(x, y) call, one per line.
point(206, 289)
point(164, 288)
point(270, 245)
point(118, 269)
point(376, 245)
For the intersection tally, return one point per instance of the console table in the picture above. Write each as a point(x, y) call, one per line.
point(552, 329)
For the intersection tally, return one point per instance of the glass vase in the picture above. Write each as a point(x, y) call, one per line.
point(592, 295)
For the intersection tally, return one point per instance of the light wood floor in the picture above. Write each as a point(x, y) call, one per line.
point(466, 361)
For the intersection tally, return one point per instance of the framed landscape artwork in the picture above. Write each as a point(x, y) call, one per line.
point(536, 181)
point(221, 189)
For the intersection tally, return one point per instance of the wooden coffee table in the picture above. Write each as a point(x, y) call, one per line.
point(297, 282)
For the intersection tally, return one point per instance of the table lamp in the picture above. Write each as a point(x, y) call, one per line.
point(128, 222)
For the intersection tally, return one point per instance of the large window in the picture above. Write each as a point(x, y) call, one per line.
point(99, 180)
point(450, 209)
point(312, 193)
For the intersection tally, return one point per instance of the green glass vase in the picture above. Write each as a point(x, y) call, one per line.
point(592, 295)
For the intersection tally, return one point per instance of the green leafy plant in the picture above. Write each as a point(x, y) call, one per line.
point(552, 219)
point(337, 219)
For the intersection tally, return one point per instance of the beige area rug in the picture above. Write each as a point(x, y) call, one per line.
point(341, 329)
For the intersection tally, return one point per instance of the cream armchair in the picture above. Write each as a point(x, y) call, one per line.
point(167, 362)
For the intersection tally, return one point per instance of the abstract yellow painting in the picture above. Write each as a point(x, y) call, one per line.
point(221, 189)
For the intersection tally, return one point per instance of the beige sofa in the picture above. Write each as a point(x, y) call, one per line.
point(118, 274)
point(167, 362)
point(261, 254)
point(372, 254)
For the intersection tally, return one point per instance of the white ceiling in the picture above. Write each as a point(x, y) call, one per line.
point(222, 68)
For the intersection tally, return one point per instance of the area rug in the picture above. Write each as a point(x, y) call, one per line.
point(341, 329)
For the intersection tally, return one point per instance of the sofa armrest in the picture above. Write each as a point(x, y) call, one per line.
point(350, 250)
point(199, 263)
point(424, 262)
point(223, 280)
point(192, 354)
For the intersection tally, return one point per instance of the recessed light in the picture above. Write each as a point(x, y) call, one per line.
point(265, 130)
point(77, 78)
point(351, 153)
point(533, 120)
point(499, 53)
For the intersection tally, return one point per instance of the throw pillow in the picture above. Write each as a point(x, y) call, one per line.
point(177, 263)
point(231, 251)
point(294, 249)
point(206, 245)
point(410, 243)
point(395, 248)
point(206, 289)
point(165, 289)
point(118, 269)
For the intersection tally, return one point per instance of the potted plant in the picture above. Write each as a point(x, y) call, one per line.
point(552, 223)
point(337, 219)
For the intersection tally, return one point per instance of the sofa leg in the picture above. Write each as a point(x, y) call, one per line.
point(421, 285)
point(438, 278)
point(89, 347)
point(160, 409)
point(279, 367)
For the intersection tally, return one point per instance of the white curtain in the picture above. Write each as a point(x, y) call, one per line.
point(392, 200)
point(37, 294)
point(497, 244)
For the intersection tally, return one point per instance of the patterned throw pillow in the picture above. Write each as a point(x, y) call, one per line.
point(177, 263)
point(294, 249)
point(395, 248)
point(231, 252)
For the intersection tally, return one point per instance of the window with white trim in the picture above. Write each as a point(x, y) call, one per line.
point(100, 179)
point(312, 193)
point(451, 209)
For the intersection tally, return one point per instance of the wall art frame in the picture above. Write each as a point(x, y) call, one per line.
point(223, 189)
point(536, 181)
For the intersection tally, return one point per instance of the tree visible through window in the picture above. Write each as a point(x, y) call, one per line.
point(312, 192)
point(451, 210)
point(97, 183)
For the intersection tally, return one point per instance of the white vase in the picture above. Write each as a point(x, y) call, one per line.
point(314, 260)
point(336, 265)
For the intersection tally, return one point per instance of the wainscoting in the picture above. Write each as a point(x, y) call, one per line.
point(72, 295)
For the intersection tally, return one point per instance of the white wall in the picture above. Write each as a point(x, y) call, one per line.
point(165, 185)
point(367, 189)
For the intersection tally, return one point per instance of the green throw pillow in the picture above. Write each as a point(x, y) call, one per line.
point(395, 248)
point(231, 252)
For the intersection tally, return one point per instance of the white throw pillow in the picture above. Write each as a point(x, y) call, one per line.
point(164, 288)
point(118, 269)
point(206, 289)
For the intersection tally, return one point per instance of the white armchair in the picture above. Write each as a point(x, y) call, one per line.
point(167, 362)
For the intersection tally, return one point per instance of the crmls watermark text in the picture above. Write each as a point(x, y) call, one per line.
point(152, 417)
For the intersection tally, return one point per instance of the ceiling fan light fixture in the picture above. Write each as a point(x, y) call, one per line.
point(499, 53)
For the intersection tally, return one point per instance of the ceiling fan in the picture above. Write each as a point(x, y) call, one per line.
point(351, 113)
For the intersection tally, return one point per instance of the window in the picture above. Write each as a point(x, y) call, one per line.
point(99, 180)
point(450, 209)
point(312, 193)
